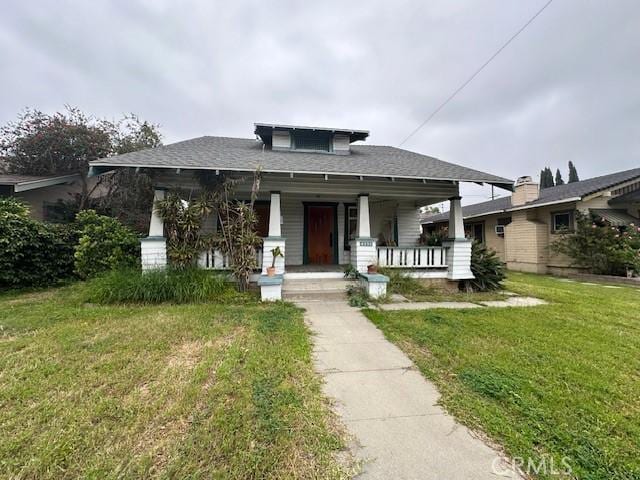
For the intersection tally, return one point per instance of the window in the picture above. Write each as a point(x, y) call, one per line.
point(500, 224)
point(58, 212)
point(561, 222)
point(350, 224)
point(316, 141)
point(478, 232)
point(475, 231)
point(262, 214)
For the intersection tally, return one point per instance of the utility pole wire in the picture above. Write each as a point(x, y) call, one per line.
point(475, 74)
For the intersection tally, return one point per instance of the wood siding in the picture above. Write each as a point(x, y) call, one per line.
point(381, 215)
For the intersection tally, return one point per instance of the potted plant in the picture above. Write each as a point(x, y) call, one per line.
point(373, 268)
point(276, 252)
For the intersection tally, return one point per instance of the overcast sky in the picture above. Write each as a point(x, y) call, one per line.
point(568, 88)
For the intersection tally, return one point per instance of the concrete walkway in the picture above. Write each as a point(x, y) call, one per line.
point(389, 407)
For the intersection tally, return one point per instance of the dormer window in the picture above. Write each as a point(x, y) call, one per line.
point(313, 141)
point(336, 141)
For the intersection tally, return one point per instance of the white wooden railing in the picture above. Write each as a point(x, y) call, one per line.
point(412, 257)
point(215, 260)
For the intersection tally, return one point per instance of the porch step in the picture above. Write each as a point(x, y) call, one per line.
point(319, 288)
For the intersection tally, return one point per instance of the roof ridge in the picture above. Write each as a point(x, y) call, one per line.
point(621, 172)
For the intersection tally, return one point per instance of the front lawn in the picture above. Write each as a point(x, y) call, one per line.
point(554, 381)
point(192, 391)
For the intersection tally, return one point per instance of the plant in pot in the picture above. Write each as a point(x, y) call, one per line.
point(276, 252)
point(373, 268)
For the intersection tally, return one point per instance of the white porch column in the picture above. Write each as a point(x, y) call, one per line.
point(458, 247)
point(274, 215)
point(275, 237)
point(456, 220)
point(363, 248)
point(153, 249)
point(364, 227)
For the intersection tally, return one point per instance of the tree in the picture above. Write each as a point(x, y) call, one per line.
point(573, 173)
point(432, 210)
point(542, 179)
point(546, 178)
point(559, 180)
point(65, 142)
point(236, 235)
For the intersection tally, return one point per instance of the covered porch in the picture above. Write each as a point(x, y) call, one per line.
point(322, 224)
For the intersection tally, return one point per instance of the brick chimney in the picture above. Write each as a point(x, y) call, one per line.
point(526, 190)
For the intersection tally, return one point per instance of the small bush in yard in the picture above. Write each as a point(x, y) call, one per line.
point(32, 253)
point(487, 269)
point(601, 248)
point(104, 244)
point(401, 283)
point(357, 296)
point(188, 285)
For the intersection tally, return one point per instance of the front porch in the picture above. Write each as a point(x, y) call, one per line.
point(320, 227)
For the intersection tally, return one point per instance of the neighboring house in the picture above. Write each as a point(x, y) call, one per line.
point(521, 227)
point(43, 194)
point(324, 201)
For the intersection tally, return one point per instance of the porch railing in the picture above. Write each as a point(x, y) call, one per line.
point(215, 260)
point(412, 257)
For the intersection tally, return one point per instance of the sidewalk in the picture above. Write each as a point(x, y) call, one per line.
point(388, 406)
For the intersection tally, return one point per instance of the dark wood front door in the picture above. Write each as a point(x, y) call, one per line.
point(321, 236)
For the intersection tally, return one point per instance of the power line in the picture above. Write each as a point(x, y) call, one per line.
point(470, 79)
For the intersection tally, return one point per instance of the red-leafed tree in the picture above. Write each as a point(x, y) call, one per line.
point(65, 142)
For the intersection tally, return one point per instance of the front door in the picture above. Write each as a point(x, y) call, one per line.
point(320, 234)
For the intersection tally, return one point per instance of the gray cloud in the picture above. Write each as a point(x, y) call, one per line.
point(566, 89)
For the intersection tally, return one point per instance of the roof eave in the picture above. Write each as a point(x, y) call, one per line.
point(111, 166)
point(544, 204)
point(44, 182)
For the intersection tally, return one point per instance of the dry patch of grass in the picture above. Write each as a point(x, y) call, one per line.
point(191, 391)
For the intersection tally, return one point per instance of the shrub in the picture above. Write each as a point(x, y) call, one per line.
point(357, 296)
point(32, 253)
point(601, 248)
point(186, 285)
point(403, 284)
point(433, 239)
point(350, 271)
point(487, 268)
point(104, 244)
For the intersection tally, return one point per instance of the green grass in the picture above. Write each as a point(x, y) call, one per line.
point(168, 391)
point(191, 285)
point(554, 381)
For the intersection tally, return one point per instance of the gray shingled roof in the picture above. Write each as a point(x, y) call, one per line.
point(547, 195)
point(241, 154)
point(492, 206)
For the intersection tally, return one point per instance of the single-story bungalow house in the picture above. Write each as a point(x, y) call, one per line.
point(43, 194)
point(324, 200)
point(521, 227)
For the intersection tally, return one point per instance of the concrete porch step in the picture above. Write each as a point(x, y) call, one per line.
point(316, 285)
point(315, 290)
point(317, 297)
